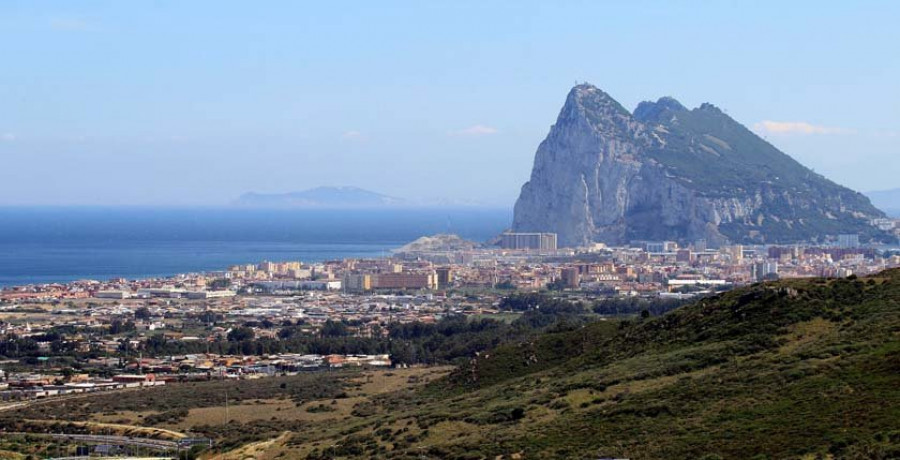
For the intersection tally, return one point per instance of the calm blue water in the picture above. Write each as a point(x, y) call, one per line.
point(39, 245)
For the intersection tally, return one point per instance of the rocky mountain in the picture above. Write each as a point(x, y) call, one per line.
point(320, 198)
point(606, 175)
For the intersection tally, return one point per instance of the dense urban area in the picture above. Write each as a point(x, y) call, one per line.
point(258, 319)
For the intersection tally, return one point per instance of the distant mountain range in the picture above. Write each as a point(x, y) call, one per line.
point(343, 197)
point(320, 198)
point(886, 200)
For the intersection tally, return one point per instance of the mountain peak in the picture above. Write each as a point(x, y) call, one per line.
point(649, 111)
point(588, 104)
point(710, 108)
point(591, 97)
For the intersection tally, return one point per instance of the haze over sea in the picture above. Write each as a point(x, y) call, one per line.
point(45, 244)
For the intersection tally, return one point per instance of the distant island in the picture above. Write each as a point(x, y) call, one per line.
point(321, 198)
point(347, 197)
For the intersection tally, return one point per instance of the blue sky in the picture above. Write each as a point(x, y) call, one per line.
point(194, 103)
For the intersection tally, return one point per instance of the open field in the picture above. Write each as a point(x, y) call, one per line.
point(282, 408)
point(257, 410)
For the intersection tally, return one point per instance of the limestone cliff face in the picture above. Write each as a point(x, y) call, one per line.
point(605, 175)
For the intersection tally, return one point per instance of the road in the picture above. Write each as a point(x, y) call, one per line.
point(105, 439)
point(117, 440)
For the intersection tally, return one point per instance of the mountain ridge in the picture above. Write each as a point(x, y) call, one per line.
point(320, 197)
point(347, 197)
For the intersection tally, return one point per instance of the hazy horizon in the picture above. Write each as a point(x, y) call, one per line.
point(194, 104)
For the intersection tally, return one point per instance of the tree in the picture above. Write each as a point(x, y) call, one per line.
point(142, 313)
point(241, 334)
point(119, 327)
point(334, 329)
point(556, 285)
point(156, 343)
point(506, 285)
point(220, 284)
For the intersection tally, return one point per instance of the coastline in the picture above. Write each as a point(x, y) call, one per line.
point(45, 245)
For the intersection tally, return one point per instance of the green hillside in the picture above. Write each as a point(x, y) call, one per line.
point(789, 369)
point(712, 153)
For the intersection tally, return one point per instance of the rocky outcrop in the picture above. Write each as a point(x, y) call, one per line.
point(440, 242)
point(666, 172)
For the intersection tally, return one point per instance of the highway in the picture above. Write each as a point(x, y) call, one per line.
point(146, 443)
point(116, 440)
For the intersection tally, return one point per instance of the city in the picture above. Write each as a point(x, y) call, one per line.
point(125, 324)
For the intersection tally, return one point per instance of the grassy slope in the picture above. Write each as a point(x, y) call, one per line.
point(787, 369)
point(718, 156)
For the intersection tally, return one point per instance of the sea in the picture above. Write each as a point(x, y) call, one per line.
point(47, 245)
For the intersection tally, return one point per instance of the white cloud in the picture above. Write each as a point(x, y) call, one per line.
point(352, 135)
point(796, 127)
point(7, 137)
point(69, 24)
point(476, 130)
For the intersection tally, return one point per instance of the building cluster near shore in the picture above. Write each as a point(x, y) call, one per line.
point(528, 261)
point(417, 283)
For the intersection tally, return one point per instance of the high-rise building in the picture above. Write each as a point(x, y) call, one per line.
point(444, 276)
point(405, 281)
point(357, 282)
point(570, 277)
point(266, 266)
point(848, 240)
point(737, 253)
point(765, 270)
point(539, 241)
